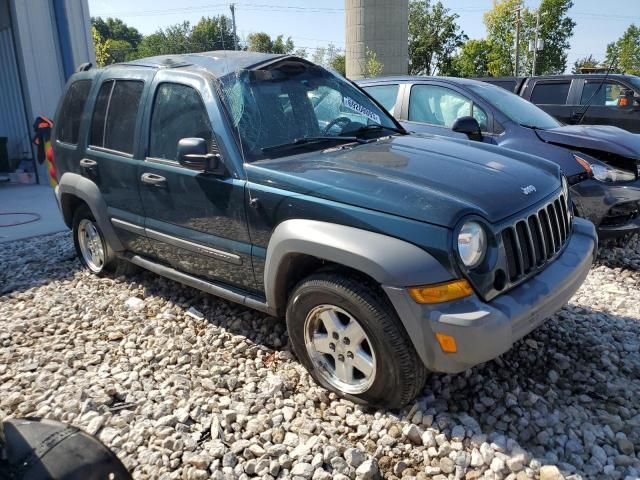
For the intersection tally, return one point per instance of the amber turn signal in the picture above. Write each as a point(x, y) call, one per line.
point(447, 343)
point(441, 292)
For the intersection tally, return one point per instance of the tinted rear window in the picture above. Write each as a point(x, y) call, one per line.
point(68, 122)
point(115, 113)
point(555, 93)
point(506, 84)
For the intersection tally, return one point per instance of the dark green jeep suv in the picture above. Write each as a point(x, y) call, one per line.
point(271, 182)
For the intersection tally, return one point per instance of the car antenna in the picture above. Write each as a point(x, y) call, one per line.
point(593, 95)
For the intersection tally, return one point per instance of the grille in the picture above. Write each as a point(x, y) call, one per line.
point(534, 240)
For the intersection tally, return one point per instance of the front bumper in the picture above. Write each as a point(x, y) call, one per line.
point(598, 201)
point(483, 331)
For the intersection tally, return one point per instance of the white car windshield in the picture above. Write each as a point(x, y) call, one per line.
point(515, 107)
point(298, 104)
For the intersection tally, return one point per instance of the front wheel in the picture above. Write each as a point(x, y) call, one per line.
point(352, 342)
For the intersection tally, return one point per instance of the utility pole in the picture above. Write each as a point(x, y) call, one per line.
point(233, 21)
point(518, 18)
point(538, 44)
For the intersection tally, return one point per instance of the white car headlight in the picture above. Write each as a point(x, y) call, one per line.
point(609, 174)
point(605, 173)
point(472, 244)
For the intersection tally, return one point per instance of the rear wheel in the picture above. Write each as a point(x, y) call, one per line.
point(349, 337)
point(92, 248)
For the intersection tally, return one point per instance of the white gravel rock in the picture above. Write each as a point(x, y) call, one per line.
point(183, 385)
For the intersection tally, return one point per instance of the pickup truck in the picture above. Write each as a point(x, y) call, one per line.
point(616, 102)
point(272, 182)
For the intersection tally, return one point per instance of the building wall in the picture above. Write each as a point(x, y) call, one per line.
point(51, 38)
point(382, 26)
point(13, 120)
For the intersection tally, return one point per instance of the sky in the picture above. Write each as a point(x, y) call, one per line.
point(313, 24)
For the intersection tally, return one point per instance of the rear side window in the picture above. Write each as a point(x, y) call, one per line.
point(178, 112)
point(386, 95)
point(68, 122)
point(555, 93)
point(114, 115)
point(506, 84)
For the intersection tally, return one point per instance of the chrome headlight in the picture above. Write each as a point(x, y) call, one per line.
point(605, 173)
point(472, 244)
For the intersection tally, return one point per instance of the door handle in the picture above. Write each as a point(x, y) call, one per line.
point(153, 179)
point(86, 163)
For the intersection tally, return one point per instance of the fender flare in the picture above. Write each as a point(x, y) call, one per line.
point(86, 190)
point(388, 260)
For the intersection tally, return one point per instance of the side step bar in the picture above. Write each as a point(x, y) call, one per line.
point(233, 295)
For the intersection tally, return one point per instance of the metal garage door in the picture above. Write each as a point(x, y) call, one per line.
point(13, 122)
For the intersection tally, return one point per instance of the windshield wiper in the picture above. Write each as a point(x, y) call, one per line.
point(307, 140)
point(375, 126)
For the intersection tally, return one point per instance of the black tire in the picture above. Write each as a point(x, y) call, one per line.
point(399, 372)
point(111, 262)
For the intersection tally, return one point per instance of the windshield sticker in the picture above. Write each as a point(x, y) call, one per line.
point(355, 106)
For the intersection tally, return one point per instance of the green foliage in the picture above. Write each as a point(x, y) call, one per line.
point(262, 42)
point(372, 67)
point(472, 60)
point(585, 62)
point(101, 47)
point(339, 64)
point(556, 28)
point(434, 36)
point(627, 51)
point(210, 33)
point(118, 40)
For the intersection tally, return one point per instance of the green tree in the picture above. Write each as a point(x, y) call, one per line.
point(472, 60)
point(119, 39)
point(434, 36)
point(372, 66)
point(501, 36)
point(626, 51)
point(339, 64)
point(585, 62)
point(212, 33)
point(262, 42)
point(101, 47)
point(556, 29)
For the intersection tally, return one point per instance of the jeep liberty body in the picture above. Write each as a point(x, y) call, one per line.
point(271, 182)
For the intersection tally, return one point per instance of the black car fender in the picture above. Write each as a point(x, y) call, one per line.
point(72, 186)
point(388, 260)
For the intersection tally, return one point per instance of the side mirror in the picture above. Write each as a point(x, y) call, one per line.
point(469, 126)
point(193, 153)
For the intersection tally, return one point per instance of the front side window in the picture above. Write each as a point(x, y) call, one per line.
point(437, 105)
point(554, 93)
point(114, 116)
point(386, 95)
point(601, 94)
point(68, 124)
point(292, 101)
point(178, 112)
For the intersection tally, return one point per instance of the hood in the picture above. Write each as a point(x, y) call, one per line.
point(427, 178)
point(594, 137)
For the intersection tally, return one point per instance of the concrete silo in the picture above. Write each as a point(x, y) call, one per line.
point(382, 26)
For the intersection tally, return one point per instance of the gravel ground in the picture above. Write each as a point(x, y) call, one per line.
point(183, 385)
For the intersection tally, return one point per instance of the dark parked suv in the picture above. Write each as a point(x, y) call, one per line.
point(271, 182)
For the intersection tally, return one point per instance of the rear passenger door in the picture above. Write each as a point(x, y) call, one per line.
point(553, 96)
point(195, 221)
point(112, 156)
